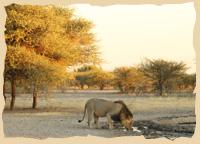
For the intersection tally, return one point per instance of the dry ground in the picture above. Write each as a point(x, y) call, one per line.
point(57, 115)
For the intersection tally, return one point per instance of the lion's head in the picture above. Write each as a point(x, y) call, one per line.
point(125, 116)
point(127, 123)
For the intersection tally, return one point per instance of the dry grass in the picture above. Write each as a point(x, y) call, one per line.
point(73, 102)
point(57, 115)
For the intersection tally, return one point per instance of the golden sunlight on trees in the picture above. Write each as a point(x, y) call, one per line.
point(42, 41)
point(102, 78)
point(130, 79)
point(46, 43)
point(83, 76)
point(93, 76)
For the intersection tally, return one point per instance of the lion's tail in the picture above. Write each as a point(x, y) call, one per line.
point(83, 115)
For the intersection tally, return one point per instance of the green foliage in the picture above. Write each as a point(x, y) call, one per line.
point(161, 71)
point(130, 79)
point(84, 76)
point(101, 78)
point(93, 76)
point(186, 82)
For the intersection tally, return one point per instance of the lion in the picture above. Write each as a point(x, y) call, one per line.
point(116, 110)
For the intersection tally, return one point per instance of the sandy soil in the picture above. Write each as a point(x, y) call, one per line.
point(57, 115)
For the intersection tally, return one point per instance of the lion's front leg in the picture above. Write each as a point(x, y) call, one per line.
point(110, 124)
point(96, 121)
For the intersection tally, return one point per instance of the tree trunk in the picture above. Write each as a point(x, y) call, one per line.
point(13, 93)
point(35, 94)
point(101, 87)
point(4, 91)
point(82, 86)
point(160, 89)
point(121, 88)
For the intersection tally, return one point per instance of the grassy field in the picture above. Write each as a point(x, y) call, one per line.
point(57, 115)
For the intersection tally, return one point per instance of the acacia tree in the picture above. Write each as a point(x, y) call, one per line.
point(102, 78)
point(68, 81)
point(92, 75)
point(186, 82)
point(42, 41)
point(130, 79)
point(15, 60)
point(47, 73)
point(84, 76)
point(161, 71)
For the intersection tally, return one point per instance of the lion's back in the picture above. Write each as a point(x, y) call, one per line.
point(101, 107)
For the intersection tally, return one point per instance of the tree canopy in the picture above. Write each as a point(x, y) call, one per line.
point(130, 79)
point(42, 41)
point(161, 71)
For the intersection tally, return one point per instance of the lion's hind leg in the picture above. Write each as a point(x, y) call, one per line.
point(90, 115)
point(96, 121)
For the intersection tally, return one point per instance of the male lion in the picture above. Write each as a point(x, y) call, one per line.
point(103, 108)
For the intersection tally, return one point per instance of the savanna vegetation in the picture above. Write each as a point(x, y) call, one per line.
point(42, 42)
point(51, 48)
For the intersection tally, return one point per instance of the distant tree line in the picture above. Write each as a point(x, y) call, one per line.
point(151, 76)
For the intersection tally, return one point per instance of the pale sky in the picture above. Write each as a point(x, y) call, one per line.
point(127, 34)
